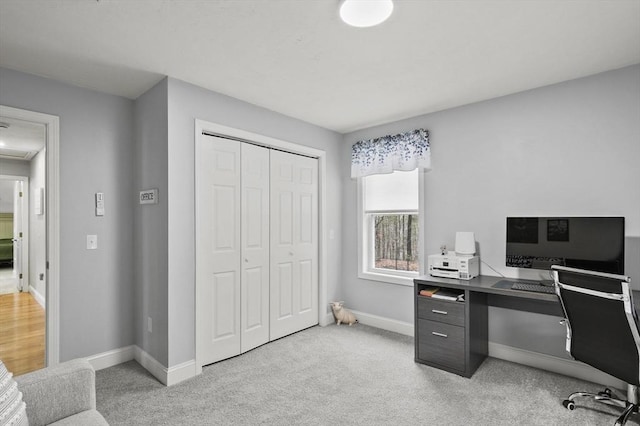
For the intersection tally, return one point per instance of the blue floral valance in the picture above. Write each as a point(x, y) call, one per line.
point(404, 151)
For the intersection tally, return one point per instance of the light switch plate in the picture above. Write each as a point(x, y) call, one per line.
point(92, 242)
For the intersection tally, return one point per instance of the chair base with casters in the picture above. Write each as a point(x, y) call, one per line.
point(630, 405)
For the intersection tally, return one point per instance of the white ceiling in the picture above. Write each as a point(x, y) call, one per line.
point(297, 58)
point(20, 140)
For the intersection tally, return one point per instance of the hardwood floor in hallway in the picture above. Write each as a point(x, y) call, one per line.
point(22, 333)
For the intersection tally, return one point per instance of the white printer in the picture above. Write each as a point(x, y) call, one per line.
point(461, 263)
point(453, 266)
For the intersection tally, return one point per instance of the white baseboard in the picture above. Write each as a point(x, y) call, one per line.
point(150, 364)
point(178, 373)
point(546, 362)
point(111, 358)
point(181, 372)
point(388, 324)
point(554, 364)
point(328, 319)
point(39, 298)
point(167, 376)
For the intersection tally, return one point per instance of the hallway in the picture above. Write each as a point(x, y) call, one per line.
point(8, 280)
point(22, 340)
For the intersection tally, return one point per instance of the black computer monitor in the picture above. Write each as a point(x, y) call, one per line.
point(592, 243)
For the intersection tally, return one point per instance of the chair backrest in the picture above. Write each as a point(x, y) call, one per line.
point(602, 324)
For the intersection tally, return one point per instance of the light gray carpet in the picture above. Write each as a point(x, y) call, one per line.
point(343, 375)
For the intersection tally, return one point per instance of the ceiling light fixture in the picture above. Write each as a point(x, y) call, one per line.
point(365, 13)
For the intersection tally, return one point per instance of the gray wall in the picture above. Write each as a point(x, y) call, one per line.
point(120, 147)
point(37, 225)
point(566, 149)
point(96, 146)
point(150, 231)
point(13, 167)
point(187, 103)
point(7, 192)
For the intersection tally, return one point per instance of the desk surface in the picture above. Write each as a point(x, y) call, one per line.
point(505, 297)
point(484, 284)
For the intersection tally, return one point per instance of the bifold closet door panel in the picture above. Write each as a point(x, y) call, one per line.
point(218, 248)
point(254, 295)
point(294, 243)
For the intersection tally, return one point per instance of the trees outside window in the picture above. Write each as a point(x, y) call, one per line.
point(396, 241)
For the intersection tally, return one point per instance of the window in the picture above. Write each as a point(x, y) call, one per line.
point(395, 241)
point(390, 237)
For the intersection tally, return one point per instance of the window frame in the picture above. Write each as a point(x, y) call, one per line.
point(366, 238)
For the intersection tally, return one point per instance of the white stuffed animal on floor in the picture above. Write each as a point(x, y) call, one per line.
point(342, 315)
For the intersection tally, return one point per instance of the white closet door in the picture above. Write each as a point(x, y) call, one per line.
point(254, 293)
point(218, 251)
point(294, 243)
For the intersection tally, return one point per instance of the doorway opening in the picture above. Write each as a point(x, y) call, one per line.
point(14, 233)
point(29, 229)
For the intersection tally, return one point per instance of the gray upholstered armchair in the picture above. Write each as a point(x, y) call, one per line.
point(64, 394)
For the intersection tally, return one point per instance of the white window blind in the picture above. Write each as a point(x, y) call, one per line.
point(395, 192)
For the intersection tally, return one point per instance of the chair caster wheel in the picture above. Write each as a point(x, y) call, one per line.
point(606, 392)
point(569, 405)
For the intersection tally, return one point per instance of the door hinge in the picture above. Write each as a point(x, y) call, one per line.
point(20, 193)
point(20, 233)
point(47, 265)
point(20, 276)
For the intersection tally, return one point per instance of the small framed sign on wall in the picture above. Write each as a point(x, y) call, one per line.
point(149, 196)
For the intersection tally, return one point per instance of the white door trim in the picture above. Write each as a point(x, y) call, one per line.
point(52, 209)
point(219, 129)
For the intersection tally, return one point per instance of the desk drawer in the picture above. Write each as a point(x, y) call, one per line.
point(441, 310)
point(442, 344)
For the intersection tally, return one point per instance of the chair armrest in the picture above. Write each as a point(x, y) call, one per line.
point(60, 391)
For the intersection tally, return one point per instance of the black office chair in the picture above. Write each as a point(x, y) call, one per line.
point(602, 331)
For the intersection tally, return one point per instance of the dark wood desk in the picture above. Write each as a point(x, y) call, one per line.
point(541, 303)
point(453, 336)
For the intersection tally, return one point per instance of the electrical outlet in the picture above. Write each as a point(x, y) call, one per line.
point(149, 325)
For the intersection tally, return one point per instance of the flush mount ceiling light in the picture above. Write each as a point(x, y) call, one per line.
point(365, 13)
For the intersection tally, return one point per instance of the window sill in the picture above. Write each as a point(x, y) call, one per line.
point(387, 278)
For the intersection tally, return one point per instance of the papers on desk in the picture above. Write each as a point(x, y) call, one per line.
point(443, 294)
point(428, 291)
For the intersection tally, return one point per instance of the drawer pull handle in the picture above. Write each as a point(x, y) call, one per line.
point(436, 311)
point(435, 333)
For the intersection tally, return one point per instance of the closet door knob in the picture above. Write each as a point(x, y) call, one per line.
point(246, 260)
point(290, 253)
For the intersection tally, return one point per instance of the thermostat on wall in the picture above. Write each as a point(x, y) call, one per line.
point(39, 201)
point(149, 196)
point(99, 204)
